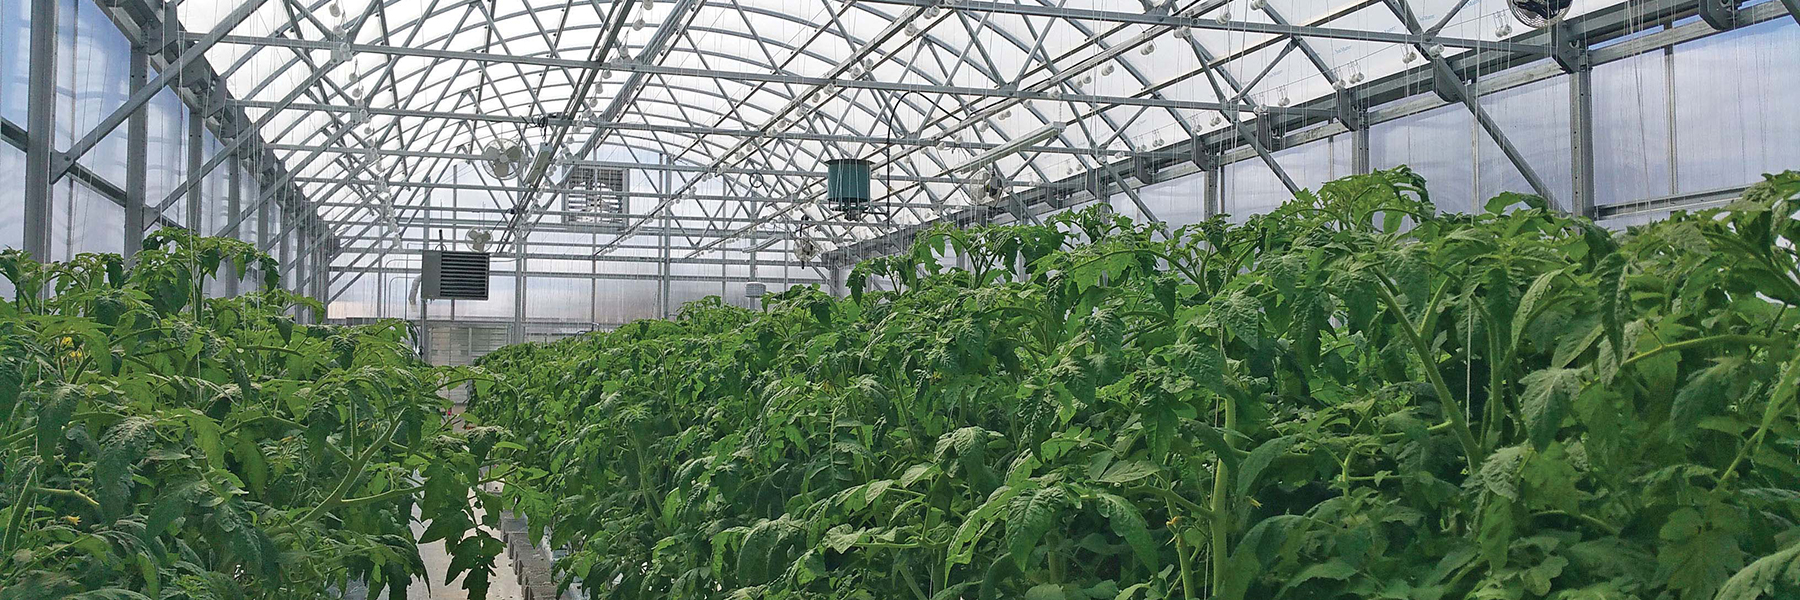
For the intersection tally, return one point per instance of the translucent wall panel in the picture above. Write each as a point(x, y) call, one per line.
point(12, 168)
point(1437, 144)
point(1535, 118)
point(15, 58)
point(1176, 202)
point(82, 221)
point(1252, 188)
point(1631, 129)
point(94, 79)
point(167, 156)
point(1734, 106)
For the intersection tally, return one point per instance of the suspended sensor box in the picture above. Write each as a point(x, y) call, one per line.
point(451, 275)
point(847, 186)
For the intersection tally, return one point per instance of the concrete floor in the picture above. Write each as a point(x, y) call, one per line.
point(503, 585)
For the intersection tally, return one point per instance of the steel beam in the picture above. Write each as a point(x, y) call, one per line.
point(1581, 141)
point(1161, 17)
point(137, 159)
point(196, 153)
point(169, 73)
point(40, 128)
point(584, 276)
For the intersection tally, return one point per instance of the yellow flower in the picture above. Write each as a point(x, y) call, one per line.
point(72, 520)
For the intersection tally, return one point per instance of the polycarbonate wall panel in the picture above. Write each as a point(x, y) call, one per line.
point(1632, 130)
point(15, 58)
point(83, 221)
point(167, 153)
point(94, 79)
point(1438, 144)
point(1735, 94)
point(1535, 118)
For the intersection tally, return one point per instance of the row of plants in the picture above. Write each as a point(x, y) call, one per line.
point(157, 443)
point(1353, 396)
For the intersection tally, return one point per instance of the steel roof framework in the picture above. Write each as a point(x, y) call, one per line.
point(370, 109)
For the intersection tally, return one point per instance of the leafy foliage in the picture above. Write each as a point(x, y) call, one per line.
point(159, 443)
point(1350, 397)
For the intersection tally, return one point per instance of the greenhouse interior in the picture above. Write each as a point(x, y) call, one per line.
point(900, 299)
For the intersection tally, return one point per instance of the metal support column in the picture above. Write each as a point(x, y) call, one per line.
point(424, 332)
point(666, 269)
point(520, 281)
point(196, 147)
point(1213, 202)
point(1581, 140)
point(137, 158)
point(1359, 152)
point(40, 128)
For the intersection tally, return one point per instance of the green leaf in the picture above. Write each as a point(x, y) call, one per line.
point(1259, 459)
point(1127, 471)
point(1769, 576)
point(1547, 398)
point(1029, 517)
point(1128, 523)
point(1704, 395)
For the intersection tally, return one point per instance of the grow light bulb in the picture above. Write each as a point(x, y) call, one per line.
point(1259, 4)
point(1503, 29)
point(1107, 70)
point(1086, 79)
point(1409, 56)
point(1356, 77)
point(1006, 114)
point(606, 73)
point(1224, 16)
point(930, 12)
point(335, 10)
point(1184, 32)
point(638, 25)
point(1217, 120)
point(1148, 49)
point(1283, 101)
point(912, 30)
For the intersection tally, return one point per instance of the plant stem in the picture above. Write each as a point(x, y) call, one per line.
point(1453, 408)
point(1221, 507)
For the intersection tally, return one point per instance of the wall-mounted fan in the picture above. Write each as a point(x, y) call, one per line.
point(478, 239)
point(504, 158)
point(990, 188)
point(1538, 14)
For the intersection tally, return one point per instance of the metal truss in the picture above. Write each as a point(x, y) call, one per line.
point(371, 115)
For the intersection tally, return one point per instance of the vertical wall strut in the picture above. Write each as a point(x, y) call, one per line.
point(196, 154)
point(137, 158)
point(234, 199)
point(519, 284)
point(1581, 141)
point(40, 128)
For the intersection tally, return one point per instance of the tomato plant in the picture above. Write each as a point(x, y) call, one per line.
point(1353, 396)
point(157, 443)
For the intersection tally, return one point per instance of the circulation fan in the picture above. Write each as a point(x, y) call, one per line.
point(504, 158)
point(1538, 14)
point(478, 239)
point(991, 187)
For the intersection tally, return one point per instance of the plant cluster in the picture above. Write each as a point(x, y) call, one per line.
point(158, 443)
point(1353, 396)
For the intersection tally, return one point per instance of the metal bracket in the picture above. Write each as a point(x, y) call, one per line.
point(1567, 48)
point(1722, 15)
point(1793, 7)
point(1350, 110)
point(1201, 156)
point(1271, 136)
point(1449, 90)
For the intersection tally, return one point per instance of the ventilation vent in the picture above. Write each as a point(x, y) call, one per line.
point(455, 275)
point(597, 195)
